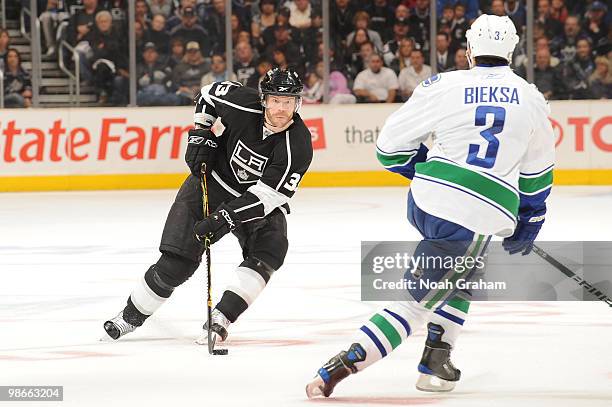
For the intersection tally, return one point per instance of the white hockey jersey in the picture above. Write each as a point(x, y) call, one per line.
point(493, 148)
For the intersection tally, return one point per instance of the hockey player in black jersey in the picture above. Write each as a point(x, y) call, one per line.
point(253, 169)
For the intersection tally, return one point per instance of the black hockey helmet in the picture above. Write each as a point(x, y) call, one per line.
point(281, 82)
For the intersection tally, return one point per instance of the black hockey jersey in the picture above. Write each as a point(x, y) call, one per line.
point(260, 169)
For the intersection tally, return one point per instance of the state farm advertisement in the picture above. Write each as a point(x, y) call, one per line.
point(152, 140)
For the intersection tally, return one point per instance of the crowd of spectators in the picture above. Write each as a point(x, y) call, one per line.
point(380, 49)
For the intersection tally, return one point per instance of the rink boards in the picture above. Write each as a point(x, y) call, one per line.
point(143, 148)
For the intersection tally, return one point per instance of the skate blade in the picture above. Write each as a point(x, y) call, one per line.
point(315, 388)
point(203, 339)
point(107, 338)
point(434, 384)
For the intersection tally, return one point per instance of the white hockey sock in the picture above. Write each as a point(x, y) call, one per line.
point(247, 284)
point(451, 317)
point(386, 330)
point(145, 299)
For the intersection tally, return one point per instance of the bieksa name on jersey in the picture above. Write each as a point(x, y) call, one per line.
point(490, 94)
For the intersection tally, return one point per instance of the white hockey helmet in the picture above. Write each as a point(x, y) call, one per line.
point(491, 35)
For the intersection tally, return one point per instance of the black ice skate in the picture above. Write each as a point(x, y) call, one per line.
point(333, 372)
point(437, 371)
point(220, 323)
point(118, 326)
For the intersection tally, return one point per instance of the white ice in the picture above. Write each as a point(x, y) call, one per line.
point(68, 261)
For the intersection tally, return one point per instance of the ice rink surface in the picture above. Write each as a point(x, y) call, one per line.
point(68, 261)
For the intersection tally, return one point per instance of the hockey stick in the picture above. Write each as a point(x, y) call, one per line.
point(211, 345)
point(581, 281)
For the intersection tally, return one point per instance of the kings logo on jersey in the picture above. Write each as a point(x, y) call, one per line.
point(246, 164)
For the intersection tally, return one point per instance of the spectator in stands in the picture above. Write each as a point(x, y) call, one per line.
point(544, 43)
point(139, 33)
point(361, 21)
point(154, 80)
point(448, 14)
point(377, 83)
point(335, 64)
point(215, 22)
point(402, 12)
point(188, 74)
point(459, 27)
point(263, 66)
point(445, 58)
point(218, 71)
point(5, 40)
point(17, 84)
point(279, 60)
point(400, 31)
point(470, 7)
point(118, 9)
point(545, 75)
point(552, 26)
point(342, 15)
point(110, 63)
point(160, 7)
point(300, 13)
point(339, 93)
point(82, 22)
point(282, 19)
point(79, 35)
point(244, 62)
point(461, 61)
point(313, 88)
point(419, 22)
point(402, 60)
point(177, 52)
point(49, 19)
point(498, 8)
point(576, 73)
point(517, 13)
point(157, 34)
point(266, 18)
point(141, 11)
point(601, 80)
point(594, 24)
point(177, 16)
point(541, 43)
point(366, 50)
point(312, 36)
point(559, 11)
point(382, 17)
point(564, 45)
point(283, 43)
point(417, 72)
point(354, 48)
point(189, 30)
point(245, 36)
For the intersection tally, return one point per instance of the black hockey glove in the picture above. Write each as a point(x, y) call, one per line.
point(217, 225)
point(201, 148)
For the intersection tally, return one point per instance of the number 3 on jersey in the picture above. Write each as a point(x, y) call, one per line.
point(499, 117)
point(293, 182)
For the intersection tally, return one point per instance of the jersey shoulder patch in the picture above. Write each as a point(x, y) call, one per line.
point(432, 80)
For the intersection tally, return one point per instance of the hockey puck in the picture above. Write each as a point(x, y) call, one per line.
point(219, 352)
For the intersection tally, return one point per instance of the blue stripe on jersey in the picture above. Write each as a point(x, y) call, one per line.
point(374, 339)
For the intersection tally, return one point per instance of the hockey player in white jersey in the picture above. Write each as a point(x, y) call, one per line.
point(489, 172)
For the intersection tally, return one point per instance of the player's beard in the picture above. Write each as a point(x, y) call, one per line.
point(279, 122)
